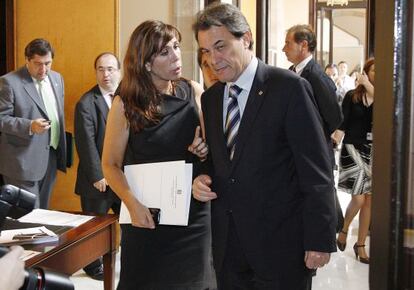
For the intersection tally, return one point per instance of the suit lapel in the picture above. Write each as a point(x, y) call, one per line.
point(100, 102)
point(58, 91)
point(254, 102)
point(306, 69)
point(31, 90)
point(217, 94)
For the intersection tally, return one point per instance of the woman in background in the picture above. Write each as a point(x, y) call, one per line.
point(154, 119)
point(355, 171)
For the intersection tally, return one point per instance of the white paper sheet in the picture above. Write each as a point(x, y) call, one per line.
point(57, 218)
point(34, 235)
point(28, 254)
point(163, 185)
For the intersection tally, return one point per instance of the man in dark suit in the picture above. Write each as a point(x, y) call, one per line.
point(300, 43)
point(90, 122)
point(270, 181)
point(32, 123)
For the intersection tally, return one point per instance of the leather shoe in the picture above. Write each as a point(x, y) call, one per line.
point(96, 273)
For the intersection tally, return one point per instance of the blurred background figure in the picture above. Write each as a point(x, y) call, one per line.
point(355, 170)
point(209, 76)
point(344, 82)
point(332, 71)
point(90, 122)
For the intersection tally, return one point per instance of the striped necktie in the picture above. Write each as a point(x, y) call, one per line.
point(232, 119)
point(51, 109)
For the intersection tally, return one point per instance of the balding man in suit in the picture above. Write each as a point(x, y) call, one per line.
point(90, 122)
point(32, 123)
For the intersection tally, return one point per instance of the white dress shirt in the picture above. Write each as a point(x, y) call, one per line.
point(245, 82)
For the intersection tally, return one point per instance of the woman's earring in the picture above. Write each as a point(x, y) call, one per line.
point(148, 67)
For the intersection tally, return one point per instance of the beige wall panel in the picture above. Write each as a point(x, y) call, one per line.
point(291, 12)
point(134, 12)
point(78, 30)
point(248, 8)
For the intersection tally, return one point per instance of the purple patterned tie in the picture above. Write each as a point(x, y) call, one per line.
point(232, 119)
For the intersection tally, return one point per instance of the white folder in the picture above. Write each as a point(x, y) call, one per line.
point(163, 185)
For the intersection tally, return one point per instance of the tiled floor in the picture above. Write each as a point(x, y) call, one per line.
point(343, 271)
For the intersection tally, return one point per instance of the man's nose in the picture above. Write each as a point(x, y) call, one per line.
point(213, 58)
point(43, 68)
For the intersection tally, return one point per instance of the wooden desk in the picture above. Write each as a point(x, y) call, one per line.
point(80, 246)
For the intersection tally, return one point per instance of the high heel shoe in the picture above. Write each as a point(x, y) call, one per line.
point(358, 257)
point(341, 246)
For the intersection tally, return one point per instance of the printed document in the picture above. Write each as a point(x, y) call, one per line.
point(163, 185)
point(36, 235)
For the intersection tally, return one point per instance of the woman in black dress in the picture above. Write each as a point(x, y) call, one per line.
point(355, 170)
point(154, 119)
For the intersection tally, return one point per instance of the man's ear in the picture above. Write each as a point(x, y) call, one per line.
point(305, 45)
point(247, 39)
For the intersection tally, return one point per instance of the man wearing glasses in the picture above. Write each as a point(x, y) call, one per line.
point(90, 121)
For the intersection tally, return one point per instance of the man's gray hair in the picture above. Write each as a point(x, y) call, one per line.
point(221, 14)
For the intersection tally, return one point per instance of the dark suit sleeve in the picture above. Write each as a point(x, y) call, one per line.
point(346, 108)
point(310, 152)
point(325, 96)
point(85, 133)
point(206, 167)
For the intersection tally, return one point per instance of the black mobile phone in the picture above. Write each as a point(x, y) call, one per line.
point(155, 212)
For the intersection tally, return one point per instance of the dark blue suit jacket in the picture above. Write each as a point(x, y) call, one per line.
point(279, 186)
point(324, 92)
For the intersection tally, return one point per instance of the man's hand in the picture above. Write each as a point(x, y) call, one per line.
point(39, 126)
point(12, 269)
point(314, 260)
point(202, 190)
point(101, 185)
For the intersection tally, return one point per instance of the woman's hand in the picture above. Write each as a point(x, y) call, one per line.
point(337, 137)
point(140, 215)
point(199, 147)
point(362, 79)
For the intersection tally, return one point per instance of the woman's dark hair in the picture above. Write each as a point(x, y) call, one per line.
point(360, 90)
point(139, 94)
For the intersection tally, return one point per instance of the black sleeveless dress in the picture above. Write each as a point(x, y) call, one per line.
point(169, 257)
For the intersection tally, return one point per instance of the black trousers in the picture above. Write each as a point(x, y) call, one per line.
point(236, 272)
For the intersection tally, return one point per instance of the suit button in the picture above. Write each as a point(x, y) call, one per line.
point(232, 181)
point(229, 211)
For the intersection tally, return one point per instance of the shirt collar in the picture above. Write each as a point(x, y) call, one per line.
point(36, 81)
point(300, 66)
point(104, 92)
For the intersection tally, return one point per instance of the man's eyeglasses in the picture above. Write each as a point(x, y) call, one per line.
point(108, 69)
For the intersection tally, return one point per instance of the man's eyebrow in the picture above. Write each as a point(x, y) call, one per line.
point(218, 42)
